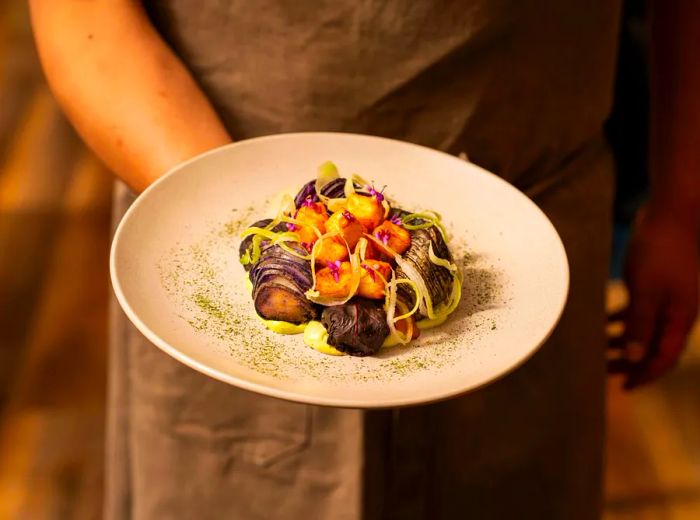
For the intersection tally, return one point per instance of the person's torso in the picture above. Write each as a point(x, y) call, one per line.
point(520, 86)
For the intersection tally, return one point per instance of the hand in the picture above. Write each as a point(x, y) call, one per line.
point(661, 274)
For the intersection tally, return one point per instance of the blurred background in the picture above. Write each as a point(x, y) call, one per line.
point(54, 294)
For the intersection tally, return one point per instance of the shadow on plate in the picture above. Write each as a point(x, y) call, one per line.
point(481, 291)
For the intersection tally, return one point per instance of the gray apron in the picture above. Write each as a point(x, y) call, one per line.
point(523, 88)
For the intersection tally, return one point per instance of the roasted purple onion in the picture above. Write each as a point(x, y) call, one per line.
point(334, 190)
point(438, 280)
point(280, 280)
point(245, 250)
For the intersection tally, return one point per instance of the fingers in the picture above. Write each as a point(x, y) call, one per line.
point(628, 349)
point(617, 362)
point(670, 340)
point(640, 322)
point(619, 315)
point(624, 355)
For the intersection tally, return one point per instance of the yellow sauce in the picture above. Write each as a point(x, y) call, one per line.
point(316, 337)
point(283, 327)
point(429, 324)
point(390, 341)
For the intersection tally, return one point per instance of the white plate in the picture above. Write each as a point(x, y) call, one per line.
point(176, 274)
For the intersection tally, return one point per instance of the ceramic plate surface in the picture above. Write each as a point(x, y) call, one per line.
point(176, 274)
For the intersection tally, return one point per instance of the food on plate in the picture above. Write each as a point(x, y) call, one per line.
point(309, 221)
point(348, 268)
point(280, 280)
point(346, 227)
point(368, 209)
point(357, 327)
point(392, 237)
point(373, 279)
point(427, 261)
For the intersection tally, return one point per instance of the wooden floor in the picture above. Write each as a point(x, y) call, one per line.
point(653, 448)
point(54, 239)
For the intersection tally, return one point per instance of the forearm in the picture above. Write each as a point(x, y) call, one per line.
point(124, 90)
point(675, 111)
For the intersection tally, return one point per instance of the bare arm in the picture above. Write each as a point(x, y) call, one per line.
point(127, 94)
point(675, 117)
point(662, 265)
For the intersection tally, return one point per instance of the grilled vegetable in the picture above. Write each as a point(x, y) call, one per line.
point(331, 249)
point(311, 220)
point(334, 280)
point(393, 236)
point(357, 327)
point(280, 280)
point(245, 250)
point(367, 209)
point(373, 280)
point(335, 189)
point(347, 226)
point(416, 263)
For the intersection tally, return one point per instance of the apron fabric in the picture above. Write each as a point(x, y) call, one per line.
point(523, 88)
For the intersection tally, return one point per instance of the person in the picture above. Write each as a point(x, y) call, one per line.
point(523, 88)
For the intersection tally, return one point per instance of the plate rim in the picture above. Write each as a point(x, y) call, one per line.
point(292, 395)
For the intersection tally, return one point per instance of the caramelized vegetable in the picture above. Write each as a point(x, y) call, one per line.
point(331, 249)
point(334, 280)
point(278, 301)
point(402, 326)
point(311, 215)
point(280, 280)
point(373, 280)
point(367, 209)
point(347, 226)
point(394, 237)
point(372, 252)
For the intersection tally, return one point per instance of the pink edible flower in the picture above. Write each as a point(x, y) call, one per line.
point(384, 236)
point(348, 216)
point(395, 219)
point(376, 194)
point(371, 272)
point(291, 226)
point(335, 269)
